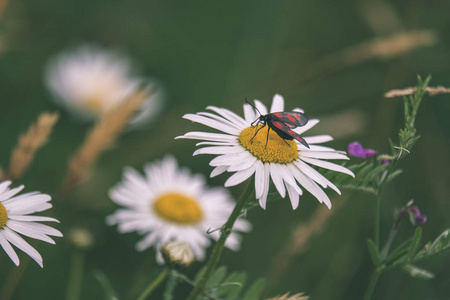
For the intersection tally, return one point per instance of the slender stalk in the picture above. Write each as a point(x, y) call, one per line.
point(372, 284)
point(154, 284)
point(170, 286)
point(75, 275)
point(224, 233)
point(377, 220)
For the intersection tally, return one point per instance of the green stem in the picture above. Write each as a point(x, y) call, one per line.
point(377, 220)
point(372, 284)
point(225, 232)
point(170, 287)
point(75, 275)
point(154, 284)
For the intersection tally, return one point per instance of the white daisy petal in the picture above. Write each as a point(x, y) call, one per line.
point(218, 170)
point(8, 249)
point(240, 176)
point(218, 150)
point(249, 114)
point(220, 119)
point(261, 107)
point(308, 126)
point(222, 126)
point(277, 179)
point(310, 186)
point(260, 179)
point(17, 208)
point(277, 103)
point(265, 193)
point(169, 204)
point(207, 136)
point(327, 165)
point(228, 114)
point(323, 155)
point(293, 195)
point(20, 243)
point(318, 139)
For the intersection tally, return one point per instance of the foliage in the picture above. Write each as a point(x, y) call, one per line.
point(230, 286)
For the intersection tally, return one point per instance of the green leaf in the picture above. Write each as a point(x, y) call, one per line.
point(394, 175)
point(199, 274)
point(255, 291)
point(440, 244)
point(417, 272)
point(105, 283)
point(415, 242)
point(216, 278)
point(398, 256)
point(373, 251)
point(232, 286)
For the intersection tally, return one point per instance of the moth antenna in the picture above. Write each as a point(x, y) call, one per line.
point(253, 106)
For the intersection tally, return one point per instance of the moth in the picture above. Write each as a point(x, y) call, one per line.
point(282, 123)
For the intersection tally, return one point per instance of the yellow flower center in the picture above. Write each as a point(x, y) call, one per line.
point(277, 150)
point(3, 216)
point(178, 208)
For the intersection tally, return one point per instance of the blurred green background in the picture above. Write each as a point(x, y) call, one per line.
point(217, 53)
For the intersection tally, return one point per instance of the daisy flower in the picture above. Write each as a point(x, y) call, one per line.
point(286, 162)
point(15, 219)
point(89, 82)
point(171, 204)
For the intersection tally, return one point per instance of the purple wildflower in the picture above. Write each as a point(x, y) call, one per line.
point(357, 150)
point(385, 161)
point(419, 217)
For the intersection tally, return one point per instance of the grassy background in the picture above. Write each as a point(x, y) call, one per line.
point(218, 53)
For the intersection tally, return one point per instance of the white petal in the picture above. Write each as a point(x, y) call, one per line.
point(220, 119)
point(322, 155)
point(240, 176)
point(308, 126)
point(228, 114)
point(31, 218)
point(277, 103)
point(242, 164)
point(228, 159)
point(310, 186)
point(25, 230)
point(293, 196)
point(263, 199)
point(10, 193)
point(277, 179)
point(259, 179)
point(262, 202)
point(218, 150)
point(20, 243)
point(288, 177)
point(4, 186)
point(261, 107)
point(8, 249)
point(316, 176)
point(222, 126)
point(327, 165)
point(217, 171)
point(208, 136)
point(249, 114)
point(216, 143)
point(318, 139)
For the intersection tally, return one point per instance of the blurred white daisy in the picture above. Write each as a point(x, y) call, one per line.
point(171, 204)
point(90, 81)
point(15, 219)
point(286, 162)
